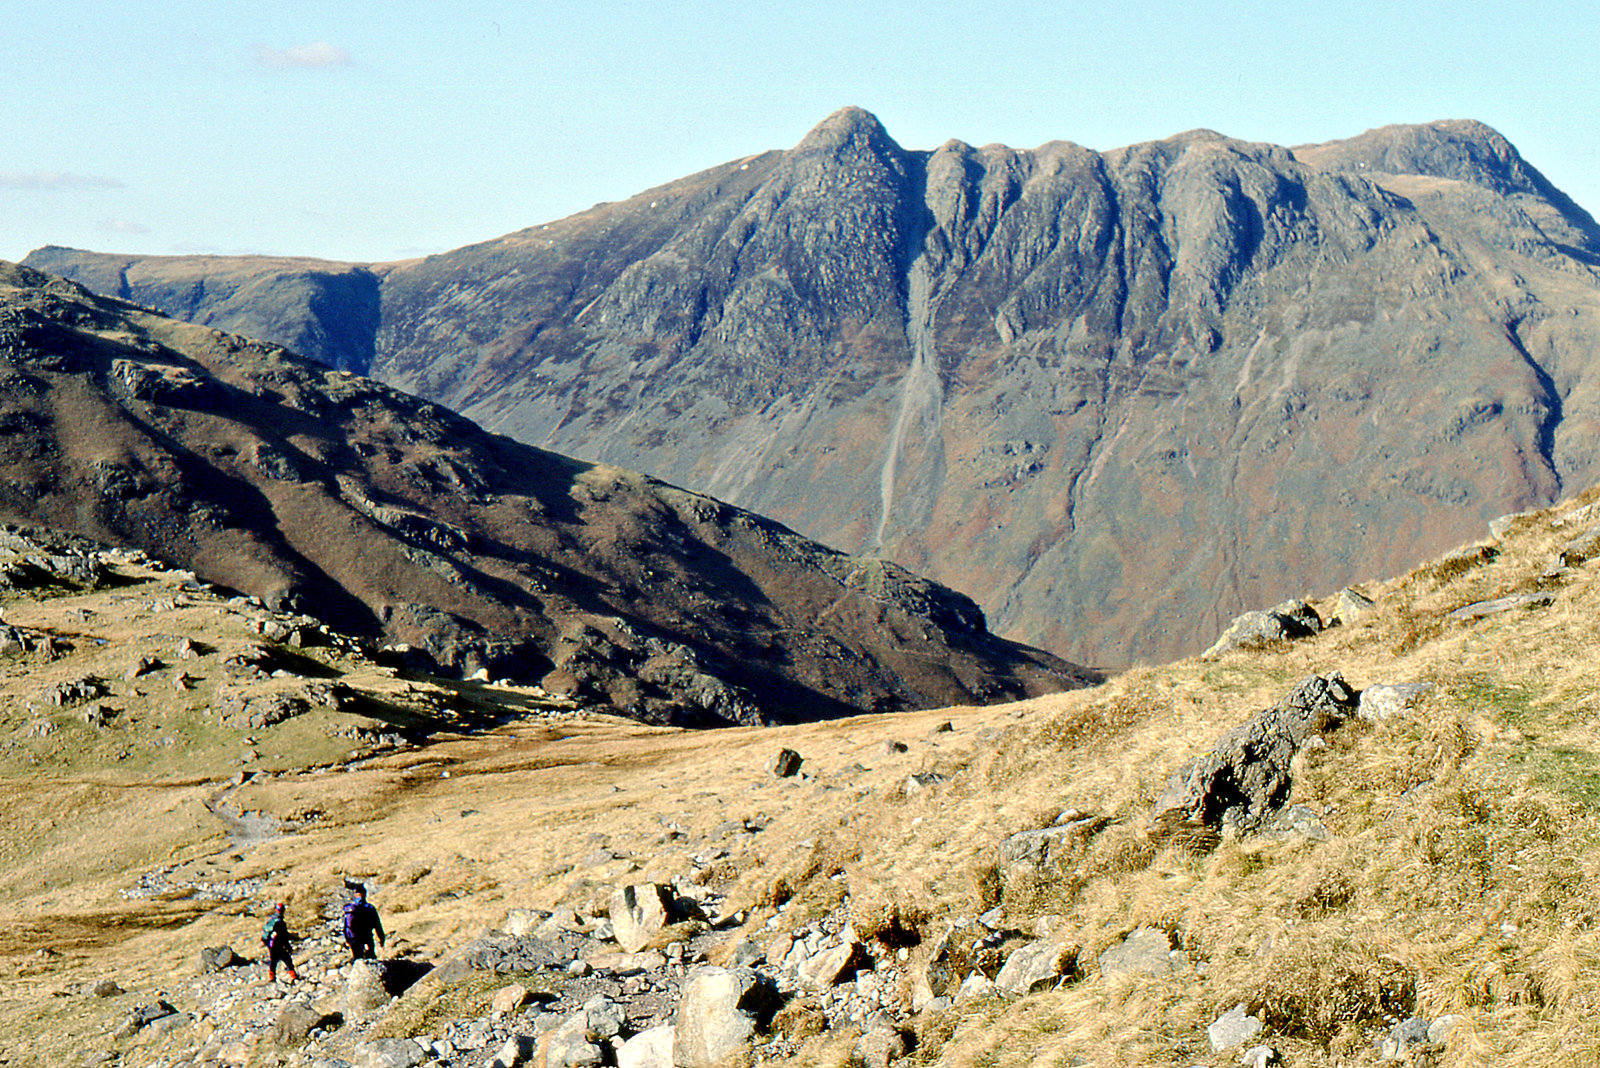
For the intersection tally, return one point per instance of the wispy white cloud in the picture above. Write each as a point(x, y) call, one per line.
point(321, 54)
point(54, 180)
point(123, 226)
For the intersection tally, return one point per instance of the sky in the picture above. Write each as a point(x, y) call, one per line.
point(369, 131)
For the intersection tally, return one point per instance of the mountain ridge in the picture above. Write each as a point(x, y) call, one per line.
point(1031, 373)
point(400, 521)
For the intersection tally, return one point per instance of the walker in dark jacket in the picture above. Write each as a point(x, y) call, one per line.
point(361, 923)
point(275, 936)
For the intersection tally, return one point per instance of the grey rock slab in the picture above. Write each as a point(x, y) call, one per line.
point(1483, 609)
point(1233, 1028)
point(1145, 951)
point(1389, 700)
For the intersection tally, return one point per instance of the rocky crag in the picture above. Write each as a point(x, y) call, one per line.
point(395, 520)
point(1117, 396)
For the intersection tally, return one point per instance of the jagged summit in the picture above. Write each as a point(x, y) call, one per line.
point(1101, 391)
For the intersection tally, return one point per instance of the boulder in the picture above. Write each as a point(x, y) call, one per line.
point(1397, 1044)
point(1244, 780)
point(509, 999)
point(364, 991)
point(389, 1053)
point(831, 965)
point(1036, 966)
point(569, 1045)
point(784, 764)
point(1146, 951)
point(1253, 630)
point(1387, 701)
point(1048, 849)
point(1350, 605)
point(942, 973)
point(522, 922)
point(638, 913)
point(518, 1049)
point(107, 988)
point(975, 986)
point(880, 1047)
point(295, 1024)
point(721, 1010)
point(1233, 1028)
point(647, 1049)
point(1259, 1057)
point(217, 958)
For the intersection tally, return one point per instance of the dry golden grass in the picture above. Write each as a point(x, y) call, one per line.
point(1460, 876)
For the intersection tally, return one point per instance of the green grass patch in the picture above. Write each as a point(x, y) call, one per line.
point(1572, 773)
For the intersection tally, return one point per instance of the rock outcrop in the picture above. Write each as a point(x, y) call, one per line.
point(1244, 780)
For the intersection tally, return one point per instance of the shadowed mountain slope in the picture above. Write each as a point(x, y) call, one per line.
point(1116, 396)
point(394, 518)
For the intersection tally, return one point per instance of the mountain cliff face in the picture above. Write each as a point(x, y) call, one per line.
point(394, 518)
point(1115, 396)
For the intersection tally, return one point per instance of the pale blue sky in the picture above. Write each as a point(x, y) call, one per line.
point(374, 131)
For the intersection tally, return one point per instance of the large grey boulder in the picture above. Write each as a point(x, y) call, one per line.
point(638, 913)
point(1036, 966)
point(1253, 630)
point(720, 1012)
point(1244, 780)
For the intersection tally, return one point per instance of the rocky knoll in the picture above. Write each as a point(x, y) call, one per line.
point(1116, 396)
point(326, 493)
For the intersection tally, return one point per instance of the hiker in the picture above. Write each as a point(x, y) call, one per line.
point(360, 924)
point(275, 936)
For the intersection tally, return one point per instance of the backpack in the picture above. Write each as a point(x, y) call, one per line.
point(353, 920)
point(269, 930)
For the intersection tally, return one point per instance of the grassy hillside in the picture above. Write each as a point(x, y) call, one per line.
point(1456, 876)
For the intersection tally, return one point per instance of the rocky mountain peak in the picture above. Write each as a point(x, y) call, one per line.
point(849, 126)
point(1072, 383)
